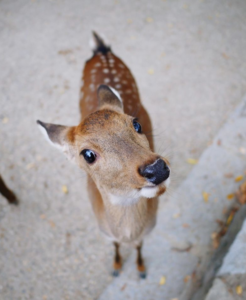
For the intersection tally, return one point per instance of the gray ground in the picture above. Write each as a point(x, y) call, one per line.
point(50, 245)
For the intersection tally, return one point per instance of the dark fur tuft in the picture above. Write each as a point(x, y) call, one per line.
point(100, 46)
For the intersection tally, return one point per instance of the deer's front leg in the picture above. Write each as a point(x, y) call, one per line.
point(7, 193)
point(140, 262)
point(117, 260)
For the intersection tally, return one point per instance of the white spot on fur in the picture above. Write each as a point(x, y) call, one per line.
point(93, 71)
point(118, 86)
point(87, 99)
point(124, 81)
point(128, 91)
point(98, 64)
point(111, 60)
point(116, 79)
point(105, 70)
point(106, 80)
point(113, 71)
point(121, 66)
point(92, 87)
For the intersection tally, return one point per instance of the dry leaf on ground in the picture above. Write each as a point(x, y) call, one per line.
point(230, 196)
point(239, 290)
point(192, 161)
point(162, 280)
point(64, 189)
point(239, 178)
point(205, 196)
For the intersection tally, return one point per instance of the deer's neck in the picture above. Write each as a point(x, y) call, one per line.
point(126, 223)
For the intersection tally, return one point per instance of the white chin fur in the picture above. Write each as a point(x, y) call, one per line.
point(134, 196)
point(149, 192)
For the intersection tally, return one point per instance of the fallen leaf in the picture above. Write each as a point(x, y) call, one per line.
point(225, 210)
point(230, 196)
point(52, 224)
point(238, 178)
point(192, 161)
point(219, 142)
point(162, 280)
point(64, 189)
point(149, 20)
point(239, 290)
point(175, 216)
point(187, 278)
point(185, 225)
point(151, 71)
point(215, 239)
point(5, 120)
point(42, 217)
point(225, 55)
point(241, 194)
point(242, 150)
point(205, 196)
point(30, 166)
point(123, 287)
point(228, 175)
point(186, 249)
point(231, 216)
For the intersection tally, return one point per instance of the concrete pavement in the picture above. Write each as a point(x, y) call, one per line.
point(189, 61)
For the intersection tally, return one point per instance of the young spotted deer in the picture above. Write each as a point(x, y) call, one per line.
point(125, 175)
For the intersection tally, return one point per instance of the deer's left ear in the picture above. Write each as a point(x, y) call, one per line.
point(108, 96)
point(58, 136)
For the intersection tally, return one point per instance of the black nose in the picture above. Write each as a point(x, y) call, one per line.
point(156, 172)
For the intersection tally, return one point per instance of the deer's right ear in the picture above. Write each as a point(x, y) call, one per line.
point(58, 136)
point(108, 96)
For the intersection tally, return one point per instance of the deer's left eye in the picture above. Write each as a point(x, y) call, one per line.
point(89, 155)
point(137, 126)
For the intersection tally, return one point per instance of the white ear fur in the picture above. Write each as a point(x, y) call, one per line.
point(58, 140)
point(110, 97)
point(116, 94)
point(44, 132)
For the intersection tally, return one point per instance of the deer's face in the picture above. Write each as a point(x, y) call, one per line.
point(110, 146)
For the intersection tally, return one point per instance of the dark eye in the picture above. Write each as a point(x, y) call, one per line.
point(137, 126)
point(89, 155)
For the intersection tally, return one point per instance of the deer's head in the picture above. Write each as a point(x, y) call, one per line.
point(110, 146)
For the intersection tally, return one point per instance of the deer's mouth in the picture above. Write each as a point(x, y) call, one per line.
point(151, 191)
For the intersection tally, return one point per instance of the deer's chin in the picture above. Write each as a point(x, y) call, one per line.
point(155, 190)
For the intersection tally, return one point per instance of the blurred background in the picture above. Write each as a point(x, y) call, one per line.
point(189, 61)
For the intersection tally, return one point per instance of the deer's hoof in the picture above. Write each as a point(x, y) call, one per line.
point(116, 273)
point(142, 275)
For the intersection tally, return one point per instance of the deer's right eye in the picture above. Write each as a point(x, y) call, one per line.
point(89, 155)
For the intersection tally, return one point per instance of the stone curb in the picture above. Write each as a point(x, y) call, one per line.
point(180, 248)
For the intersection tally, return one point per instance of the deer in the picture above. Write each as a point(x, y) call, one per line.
point(7, 193)
point(113, 144)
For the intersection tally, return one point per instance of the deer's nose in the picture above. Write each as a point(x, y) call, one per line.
point(156, 172)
